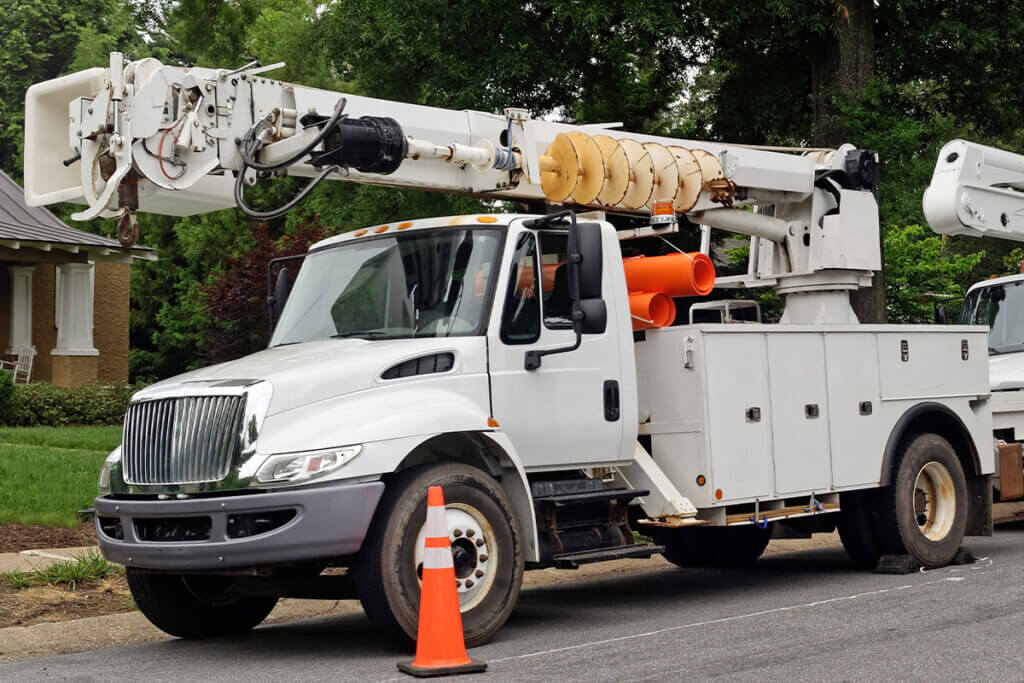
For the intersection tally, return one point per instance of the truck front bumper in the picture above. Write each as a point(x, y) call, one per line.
point(237, 531)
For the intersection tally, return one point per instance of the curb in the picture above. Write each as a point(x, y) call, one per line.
point(30, 560)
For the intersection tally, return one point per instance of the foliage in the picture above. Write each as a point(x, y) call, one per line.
point(707, 69)
point(90, 566)
point(919, 271)
point(236, 297)
point(43, 404)
point(103, 439)
point(6, 395)
point(41, 484)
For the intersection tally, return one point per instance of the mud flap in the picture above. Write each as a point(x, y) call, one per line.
point(979, 506)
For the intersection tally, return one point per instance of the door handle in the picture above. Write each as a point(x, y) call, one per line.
point(611, 400)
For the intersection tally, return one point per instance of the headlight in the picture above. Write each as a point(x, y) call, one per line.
point(292, 467)
point(103, 485)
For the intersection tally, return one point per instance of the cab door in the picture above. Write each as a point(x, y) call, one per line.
point(569, 410)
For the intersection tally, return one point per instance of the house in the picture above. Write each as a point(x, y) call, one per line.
point(63, 295)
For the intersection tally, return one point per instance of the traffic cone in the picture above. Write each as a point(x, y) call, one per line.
point(440, 645)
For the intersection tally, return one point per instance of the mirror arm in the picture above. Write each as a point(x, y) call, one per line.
point(532, 360)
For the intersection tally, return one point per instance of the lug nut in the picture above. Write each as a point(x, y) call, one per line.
point(483, 558)
point(479, 573)
point(470, 533)
point(469, 583)
point(479, 542)
point(457, 533)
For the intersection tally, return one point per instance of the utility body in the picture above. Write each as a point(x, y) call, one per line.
point(519, 361)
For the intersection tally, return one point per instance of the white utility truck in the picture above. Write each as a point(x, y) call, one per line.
point(979, 191)
point(516, 360)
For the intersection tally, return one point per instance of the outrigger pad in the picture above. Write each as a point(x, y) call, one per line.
point(897, 564)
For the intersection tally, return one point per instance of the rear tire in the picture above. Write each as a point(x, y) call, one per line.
point(386, 570)
point(196, 606)
point(923, 513)
point(856, 528)
point(738, 546)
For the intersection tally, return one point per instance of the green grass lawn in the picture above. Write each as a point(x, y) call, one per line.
point(47, 474)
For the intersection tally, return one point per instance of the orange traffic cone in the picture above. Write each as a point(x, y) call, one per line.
point(440, 645)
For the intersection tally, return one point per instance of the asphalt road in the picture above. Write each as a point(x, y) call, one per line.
point(797, 616)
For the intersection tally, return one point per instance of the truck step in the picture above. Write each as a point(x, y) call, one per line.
point(560, 499)
point(568, 560)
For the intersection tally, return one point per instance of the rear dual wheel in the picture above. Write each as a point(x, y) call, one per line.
point(922, 513)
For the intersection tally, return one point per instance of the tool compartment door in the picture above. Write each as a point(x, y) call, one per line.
point(796, 369)
point(739, 415)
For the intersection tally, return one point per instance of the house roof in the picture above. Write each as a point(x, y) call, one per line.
point(37, 227)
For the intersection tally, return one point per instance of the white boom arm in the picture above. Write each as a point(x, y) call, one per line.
point(179, 141)
point(977, 191)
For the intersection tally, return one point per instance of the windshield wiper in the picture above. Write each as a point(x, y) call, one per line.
point(373, 334)
point(992, 351)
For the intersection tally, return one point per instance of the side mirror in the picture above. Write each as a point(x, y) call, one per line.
point(940, 314)
point(590, 315)
point(279, 296)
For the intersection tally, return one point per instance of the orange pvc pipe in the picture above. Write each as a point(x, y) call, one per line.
point(674, 274)
point(655, 307)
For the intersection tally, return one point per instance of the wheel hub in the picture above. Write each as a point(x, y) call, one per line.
point(474, 553)
point(934, 501)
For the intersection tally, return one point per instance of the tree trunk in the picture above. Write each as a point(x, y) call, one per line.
point(847, 66)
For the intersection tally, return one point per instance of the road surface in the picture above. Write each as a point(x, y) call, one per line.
point(795, 616)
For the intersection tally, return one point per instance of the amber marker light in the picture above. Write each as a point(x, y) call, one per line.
point(360, 233)
point(382, 228)
point(701, 480)
point(491, 422)
point(403, 226)
point(718, 494)
point(486, 219)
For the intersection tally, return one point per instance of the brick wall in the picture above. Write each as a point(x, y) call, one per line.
point(110, 321)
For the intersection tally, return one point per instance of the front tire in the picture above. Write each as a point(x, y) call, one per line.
point(488, 562)
point(923, 513)
point(196, 606)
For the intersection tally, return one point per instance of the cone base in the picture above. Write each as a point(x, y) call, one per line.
point(471, 667)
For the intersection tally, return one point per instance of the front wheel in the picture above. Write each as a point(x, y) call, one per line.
point(486, 551)
point(923, 512)
point(196, 606)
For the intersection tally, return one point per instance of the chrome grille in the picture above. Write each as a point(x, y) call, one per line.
point(185, 440)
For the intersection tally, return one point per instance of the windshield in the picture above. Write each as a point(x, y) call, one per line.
point(1001, 307)
point(420, 284)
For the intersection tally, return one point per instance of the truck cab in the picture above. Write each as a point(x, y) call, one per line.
point(400, 346)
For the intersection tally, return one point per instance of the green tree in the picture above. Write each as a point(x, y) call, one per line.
point(920, 271)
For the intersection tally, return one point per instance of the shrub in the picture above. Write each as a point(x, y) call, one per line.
point(42, 404)
point(6, 395)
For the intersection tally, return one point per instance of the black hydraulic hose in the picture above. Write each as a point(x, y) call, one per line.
point(250, 137)
point(282, 210)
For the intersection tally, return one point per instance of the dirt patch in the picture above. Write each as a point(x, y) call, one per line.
point(17, 537)
point(40, 604)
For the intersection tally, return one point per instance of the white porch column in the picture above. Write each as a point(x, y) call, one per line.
point(21, 309)
point(74, 310)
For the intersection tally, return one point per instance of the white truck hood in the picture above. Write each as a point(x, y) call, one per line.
point(1006, 371)
point(312, 371)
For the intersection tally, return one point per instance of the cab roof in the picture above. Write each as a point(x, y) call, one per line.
point(493, 220)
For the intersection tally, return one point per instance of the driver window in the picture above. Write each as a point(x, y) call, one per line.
point(554, 249)
point(520, 320)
